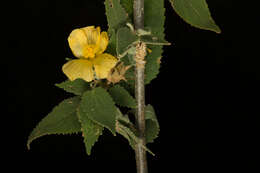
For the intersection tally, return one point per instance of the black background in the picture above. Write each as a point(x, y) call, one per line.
point(206, 96)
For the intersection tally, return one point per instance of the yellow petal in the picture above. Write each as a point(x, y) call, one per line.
point(92, 34)
point(103, 63)
point(103, 42)
point(80, 68)
point(77, 42)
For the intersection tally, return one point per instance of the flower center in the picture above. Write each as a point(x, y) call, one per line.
point(89, 51)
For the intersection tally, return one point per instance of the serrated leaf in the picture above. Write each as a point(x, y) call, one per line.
point(154, 18)
point(122, 97)
point(61, 120)
point(125, 38)
point(127, 130)
point(90, 131)
point(152, 126)
point(111, 48)
point(116, 15)
point(98, 106)
point(128, 6)
point(152, 66)
point(77, 87)
point(196, 13)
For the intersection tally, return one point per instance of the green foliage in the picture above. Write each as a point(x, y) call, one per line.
point(77, 87)
point(116, 15)
point(62, 120)
point(151, 40)
point(125, 39)
point(152, 125)
point(111, 48)
point(196, 13)
point(128, 6)
point(116, 18)
point(154, 18)
point(98, 106)
point(128, 130)
point(122, 97)
point(90, 130)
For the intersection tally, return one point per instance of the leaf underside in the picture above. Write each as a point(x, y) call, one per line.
point(196, 13)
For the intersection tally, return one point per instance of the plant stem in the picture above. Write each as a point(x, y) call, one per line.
point(140, 153)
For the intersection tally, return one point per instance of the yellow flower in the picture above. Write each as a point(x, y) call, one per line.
point(88, 44)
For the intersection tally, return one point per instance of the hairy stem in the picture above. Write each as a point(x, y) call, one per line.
point(140, 153)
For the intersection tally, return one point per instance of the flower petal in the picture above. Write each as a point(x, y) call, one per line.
point(92, 34)
point(77, 42)
point(80, 68)
point(103, 63)
point(103, 42)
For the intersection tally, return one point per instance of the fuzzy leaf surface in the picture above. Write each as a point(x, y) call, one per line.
point(122, 97)
point(90, 131)
point(128, 6)
point(125, 38)
point(77, 87)
point(154, 18)
point(116, 15)
point(196, 13)
point(61, 120)
point(111, 48)
point(98, 106)
point(152, 125)
point(128, 130)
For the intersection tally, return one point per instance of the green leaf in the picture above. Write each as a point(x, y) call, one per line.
point(77, 87)
point(111, 48)
point(125, 39)
point(154, 18)
point(116, 15)
point(128, 131)
point(152, 66)
point(128, 6)
point(152, 125)
point(62, 120)
point(122, 97)
point(152, 40)
point(98, 106)
point(90, 130)
point(196, 13)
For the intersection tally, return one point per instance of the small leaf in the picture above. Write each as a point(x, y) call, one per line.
point(77, 87)
point(98, 106)
point(116, 15)
point(154, 18)
point(90, 131)
point(122, 97)
point(125, 39)
point(127, 129)
point(196, 13)
point(152, 125)
point(62, 120)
